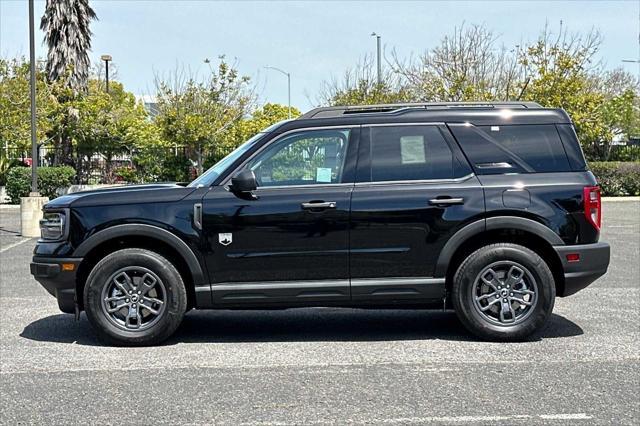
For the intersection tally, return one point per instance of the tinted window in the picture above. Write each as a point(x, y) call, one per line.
point(305, 158)
point(572, 146)
point(539, 146)
point(409, 153)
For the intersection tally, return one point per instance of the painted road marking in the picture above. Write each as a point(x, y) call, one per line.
point(10, 246)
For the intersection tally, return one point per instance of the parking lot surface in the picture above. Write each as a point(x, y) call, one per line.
point(327, 366)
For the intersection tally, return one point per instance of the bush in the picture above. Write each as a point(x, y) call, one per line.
point(617, 178)
point(175, 169)
point(50, 179)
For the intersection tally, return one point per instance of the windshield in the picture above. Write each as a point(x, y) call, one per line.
point(208, 177)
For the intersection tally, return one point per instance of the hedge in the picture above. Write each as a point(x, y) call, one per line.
point(617, 178)
point(50, 179)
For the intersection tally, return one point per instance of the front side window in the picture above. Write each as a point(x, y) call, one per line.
point(312, 157)
point(409, 153)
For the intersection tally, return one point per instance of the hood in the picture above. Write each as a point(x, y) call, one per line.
point(127, 194)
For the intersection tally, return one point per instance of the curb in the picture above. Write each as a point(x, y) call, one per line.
point(9, 206)
point(620, 199)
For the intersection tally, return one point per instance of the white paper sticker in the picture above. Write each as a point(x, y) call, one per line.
point(495, 128)
point(323, 174)
point(412, 150)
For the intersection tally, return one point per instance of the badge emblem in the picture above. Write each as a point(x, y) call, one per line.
point(225, 239)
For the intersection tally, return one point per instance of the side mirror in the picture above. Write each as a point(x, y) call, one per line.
point(244, 181)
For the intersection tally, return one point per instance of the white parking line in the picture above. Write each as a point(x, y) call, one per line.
point(10, 246)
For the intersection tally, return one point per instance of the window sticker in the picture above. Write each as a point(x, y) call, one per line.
point(412, 150)
point(323, 174)
point(495, 128)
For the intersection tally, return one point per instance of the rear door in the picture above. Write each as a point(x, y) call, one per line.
point(413, 191)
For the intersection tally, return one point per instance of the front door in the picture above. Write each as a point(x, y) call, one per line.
point(289, 244)
point(413, 192)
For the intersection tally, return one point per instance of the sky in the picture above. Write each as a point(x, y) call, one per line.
point(313, 41)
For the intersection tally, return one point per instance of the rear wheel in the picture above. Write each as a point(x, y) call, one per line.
point(503, 292)
point(135, 297)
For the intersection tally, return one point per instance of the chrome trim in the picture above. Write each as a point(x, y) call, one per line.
point(274, 285)
point(423, 181)
point(431, 123)
point(499, 165)
point(275, 140)
point(400, 281)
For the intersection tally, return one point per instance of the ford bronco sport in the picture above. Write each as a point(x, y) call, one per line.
point(488, 209)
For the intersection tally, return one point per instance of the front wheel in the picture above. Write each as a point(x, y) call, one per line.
point(503, 292)
point(135, 297)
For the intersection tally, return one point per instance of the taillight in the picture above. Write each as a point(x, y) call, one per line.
point(592, 205)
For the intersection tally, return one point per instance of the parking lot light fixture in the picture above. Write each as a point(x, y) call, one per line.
point(288, 85)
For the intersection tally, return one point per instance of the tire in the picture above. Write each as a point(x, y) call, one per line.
point(514, 312)
point(149, 279)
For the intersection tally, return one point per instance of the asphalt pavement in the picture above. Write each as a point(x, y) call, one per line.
point(327, 366)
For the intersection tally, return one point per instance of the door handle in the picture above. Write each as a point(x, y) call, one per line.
point(446, 201)
point(318, 205)
point(197, 216)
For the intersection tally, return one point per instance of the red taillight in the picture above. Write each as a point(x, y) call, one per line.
point(592, 205)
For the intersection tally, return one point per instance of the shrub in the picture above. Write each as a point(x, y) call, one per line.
point(50, 179)
point(617, 178)
point(175, 169)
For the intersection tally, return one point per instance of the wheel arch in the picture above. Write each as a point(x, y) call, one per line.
point(142, 236)
point(517, 230)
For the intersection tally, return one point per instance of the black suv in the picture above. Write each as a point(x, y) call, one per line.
point(486, 208)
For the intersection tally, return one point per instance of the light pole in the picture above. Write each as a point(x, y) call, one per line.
point(379, 54)
point(32, 84)
point(288, 85)
point(106, 59)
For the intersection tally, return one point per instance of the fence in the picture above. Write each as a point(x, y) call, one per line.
point(150, 165)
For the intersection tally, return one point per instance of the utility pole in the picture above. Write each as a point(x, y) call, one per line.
point(288, 86)
point(32, 84)
point(379, 56)
point(106, 59)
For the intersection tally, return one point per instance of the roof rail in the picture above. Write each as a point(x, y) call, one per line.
point(338, 111)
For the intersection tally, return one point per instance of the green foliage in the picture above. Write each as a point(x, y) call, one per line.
point(617, 178)
point(18, 183)
point(625, 153)
point(50, 179)
point(175, 169)
point(196, 114)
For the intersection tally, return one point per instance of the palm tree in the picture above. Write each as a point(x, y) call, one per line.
point(66, 31)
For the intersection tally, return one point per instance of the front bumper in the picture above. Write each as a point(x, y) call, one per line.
point(592, 264)
point(57, 281)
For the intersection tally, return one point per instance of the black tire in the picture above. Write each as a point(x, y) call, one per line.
point(487, 260)
point(145, 266)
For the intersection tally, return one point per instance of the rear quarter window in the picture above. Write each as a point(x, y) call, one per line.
point(513, 148)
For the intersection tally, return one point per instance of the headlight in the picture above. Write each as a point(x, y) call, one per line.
point(52, 225)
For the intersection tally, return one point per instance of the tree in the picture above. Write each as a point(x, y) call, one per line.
point(66, 32)
point(466, 66)
point(195, 113)
point(359, 86)
point(15, 130)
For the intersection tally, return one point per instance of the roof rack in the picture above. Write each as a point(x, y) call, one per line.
point(338, 111)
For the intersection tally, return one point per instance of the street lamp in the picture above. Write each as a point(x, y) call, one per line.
point(632, 61)
point(32, 84)
point(106, 59)
point(377, 36)
point(288, 85)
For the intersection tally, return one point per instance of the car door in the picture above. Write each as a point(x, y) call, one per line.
point(288, 243)
point(413, 191)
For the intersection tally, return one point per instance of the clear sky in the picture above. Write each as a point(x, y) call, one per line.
point(311, 40)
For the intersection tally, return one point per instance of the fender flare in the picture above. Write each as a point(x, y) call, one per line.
point(127, 230)
point(489, 224)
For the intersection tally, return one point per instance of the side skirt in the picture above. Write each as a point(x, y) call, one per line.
point(361, 292)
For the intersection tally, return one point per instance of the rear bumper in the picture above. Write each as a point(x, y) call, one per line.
point(592, 264)
point(58, 282)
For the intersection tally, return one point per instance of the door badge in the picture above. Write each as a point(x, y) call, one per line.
point(225, 239)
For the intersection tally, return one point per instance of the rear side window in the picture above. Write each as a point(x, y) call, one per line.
point(513, 149)
point(572, 146)
point(409, 153)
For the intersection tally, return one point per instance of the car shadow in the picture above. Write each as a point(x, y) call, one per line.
point(295, 325)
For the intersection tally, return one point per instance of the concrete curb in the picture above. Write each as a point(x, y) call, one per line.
point(9, 206)
point(619, 199)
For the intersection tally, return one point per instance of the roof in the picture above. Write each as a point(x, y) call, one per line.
point(476, 113)
point(338, 111)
